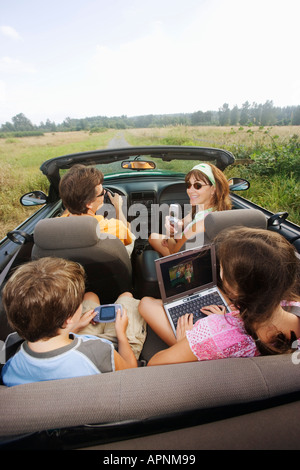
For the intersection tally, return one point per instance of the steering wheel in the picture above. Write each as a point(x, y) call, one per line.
point(106, 196)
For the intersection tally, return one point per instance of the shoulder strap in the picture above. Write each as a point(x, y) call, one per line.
point(14, 236)
point(7, 267)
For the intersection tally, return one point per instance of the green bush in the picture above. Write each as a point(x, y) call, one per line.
point(96, 130)
point(5, 135)
point(177, 140)
point(283, 159)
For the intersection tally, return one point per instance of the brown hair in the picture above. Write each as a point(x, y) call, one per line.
point(77, 188)
point(221, 199)
point(41, 295)
point(262, 268)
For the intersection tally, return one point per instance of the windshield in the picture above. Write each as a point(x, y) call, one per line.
point(174, 166)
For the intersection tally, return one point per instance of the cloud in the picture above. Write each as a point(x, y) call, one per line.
point(10, 32)
point(2, 90)
point(212, 57)
point(15, 66)
point(143, 76)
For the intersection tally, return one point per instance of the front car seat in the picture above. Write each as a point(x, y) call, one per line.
point(104, 258)
point(215, 222)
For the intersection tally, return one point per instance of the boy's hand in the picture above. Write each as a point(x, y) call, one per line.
point(116, 201)
point(85, 319)
point(121, 322)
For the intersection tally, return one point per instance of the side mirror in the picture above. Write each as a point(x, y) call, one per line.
point(238, 184)
point(35, 198)
point(138, 165)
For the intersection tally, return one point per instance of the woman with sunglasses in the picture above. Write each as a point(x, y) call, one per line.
point(208, 191)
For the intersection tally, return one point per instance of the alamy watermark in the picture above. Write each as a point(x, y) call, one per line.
point(295, 354)
point(2, 352)
point(147, 217)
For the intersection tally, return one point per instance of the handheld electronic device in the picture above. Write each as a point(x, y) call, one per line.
point(174, 215)
point(106, 313)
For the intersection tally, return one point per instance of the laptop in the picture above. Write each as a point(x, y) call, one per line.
point(187, 282)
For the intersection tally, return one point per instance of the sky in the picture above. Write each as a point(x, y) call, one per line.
point(77, 59)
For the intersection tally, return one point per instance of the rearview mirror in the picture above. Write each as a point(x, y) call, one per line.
point(138, 165)
point(35, 198)
point(238, 184)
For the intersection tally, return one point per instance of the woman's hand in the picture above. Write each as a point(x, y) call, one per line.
point(171, 231)
point(165, 242)
point(185, 322)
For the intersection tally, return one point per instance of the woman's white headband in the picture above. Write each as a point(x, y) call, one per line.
point(206, 169)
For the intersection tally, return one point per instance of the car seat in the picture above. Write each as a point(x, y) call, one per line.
point(104, 258)
point(215, 222)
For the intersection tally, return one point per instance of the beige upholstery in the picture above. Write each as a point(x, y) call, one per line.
point(106, 261)
point(215, 222)
point(147, 392)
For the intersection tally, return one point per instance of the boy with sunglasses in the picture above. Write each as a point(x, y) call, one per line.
point(82, 194)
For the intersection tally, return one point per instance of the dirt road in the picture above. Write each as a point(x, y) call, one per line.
point(118, 141)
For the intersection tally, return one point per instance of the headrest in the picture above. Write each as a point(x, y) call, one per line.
point(66, 232)
point(215, 222)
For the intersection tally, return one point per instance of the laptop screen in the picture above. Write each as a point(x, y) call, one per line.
point(184, 273)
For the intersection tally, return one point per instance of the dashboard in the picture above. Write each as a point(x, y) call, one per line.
point(146, 201)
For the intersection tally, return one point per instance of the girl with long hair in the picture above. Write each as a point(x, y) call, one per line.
point(260, 278)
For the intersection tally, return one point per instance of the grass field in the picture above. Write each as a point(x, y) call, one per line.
point(207, 136)
point(20, 159)
point(275, 151)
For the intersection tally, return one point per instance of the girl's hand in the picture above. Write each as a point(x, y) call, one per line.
point(185, 322)
point(209, 309)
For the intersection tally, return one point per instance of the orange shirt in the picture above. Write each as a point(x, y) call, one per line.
point(112, 227)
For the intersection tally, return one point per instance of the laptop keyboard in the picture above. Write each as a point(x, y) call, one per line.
point(193, 306)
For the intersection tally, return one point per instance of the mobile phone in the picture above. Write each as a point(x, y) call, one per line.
point(106, 313)
point(174, 215)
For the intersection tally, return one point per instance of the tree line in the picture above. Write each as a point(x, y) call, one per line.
point(248, 114)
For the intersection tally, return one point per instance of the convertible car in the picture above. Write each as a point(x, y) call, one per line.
point(249, 403)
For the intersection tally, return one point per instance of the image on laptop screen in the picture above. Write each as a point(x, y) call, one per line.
point(187, 273)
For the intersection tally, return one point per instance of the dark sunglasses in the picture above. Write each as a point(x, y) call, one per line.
point(196, 185)
point(102, 194)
